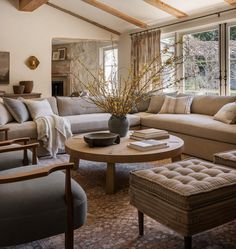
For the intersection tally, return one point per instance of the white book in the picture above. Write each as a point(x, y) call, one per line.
point(146, 145)
point(149, 133)
point(157, 137)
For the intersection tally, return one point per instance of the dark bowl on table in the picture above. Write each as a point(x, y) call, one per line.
point(101, 139)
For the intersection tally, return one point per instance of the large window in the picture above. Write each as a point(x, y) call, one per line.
point(232, 60)
point(110, 65)
point(201, 65)
point(168, 75)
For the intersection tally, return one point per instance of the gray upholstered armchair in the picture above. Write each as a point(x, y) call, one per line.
point(38, 202)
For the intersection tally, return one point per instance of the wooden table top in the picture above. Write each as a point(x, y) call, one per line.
point(120, 153)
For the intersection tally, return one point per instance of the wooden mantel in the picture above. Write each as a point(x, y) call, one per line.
point(30, 5)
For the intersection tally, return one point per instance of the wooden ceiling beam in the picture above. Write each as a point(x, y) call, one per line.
point(30, 5)
point(167, 8)
point(116, 13)
point(83, 18)
point(232, 2)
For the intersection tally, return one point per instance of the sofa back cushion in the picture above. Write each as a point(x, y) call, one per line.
point(17, 109)
point(39, 108)
point(53, 103)
point(5, 116)
point(157, 101)
point(180, 105)
point(210, 105)
point(68, 106)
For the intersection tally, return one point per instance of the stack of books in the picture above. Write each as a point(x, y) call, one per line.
point(149, 134)
point(147, 145)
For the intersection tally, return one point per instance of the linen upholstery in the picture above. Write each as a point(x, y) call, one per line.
point(35, 209)
point(192, 124)
point(5, 116)
point(68, 106)
point(227, 113)
point(227, 158)
point(210, 105)
point(188, 196)
point(95, 122)
point(180, 105)
point(53, 103)
point(187, 184)
point(17, 109)
point(17, 130)
point(157, 102)
point(39, 108)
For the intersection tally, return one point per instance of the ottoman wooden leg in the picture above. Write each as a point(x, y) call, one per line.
point(187, 242)
point(140, 223)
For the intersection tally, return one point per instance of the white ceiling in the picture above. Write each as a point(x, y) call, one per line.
point(140, 10)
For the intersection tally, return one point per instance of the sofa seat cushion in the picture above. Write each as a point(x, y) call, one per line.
point(192, 124)
point(188, 184)
point(36, 208)
point(95, 122)
point(17, 130)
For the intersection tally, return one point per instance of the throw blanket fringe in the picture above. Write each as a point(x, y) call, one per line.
point(52, 131)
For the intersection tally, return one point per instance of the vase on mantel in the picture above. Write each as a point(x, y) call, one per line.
point(118, 125)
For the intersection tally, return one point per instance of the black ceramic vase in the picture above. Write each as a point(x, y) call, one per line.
point(118, 125)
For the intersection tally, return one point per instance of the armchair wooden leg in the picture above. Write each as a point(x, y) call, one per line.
point(25, 159)
point(69, 234)
point(187, 242)
point(140, 223)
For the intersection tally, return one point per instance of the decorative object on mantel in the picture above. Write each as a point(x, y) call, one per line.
point(120, 95)
point(59, 54)
point(101, 139)
point(4, 67)
point(18, 89)
point(29, 84)
point(32, 62)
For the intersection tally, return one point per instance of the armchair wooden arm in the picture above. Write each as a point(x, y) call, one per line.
point(36, 173)
point(16, 140)
point(34, 146)
point(45, 171)
point(6, 132)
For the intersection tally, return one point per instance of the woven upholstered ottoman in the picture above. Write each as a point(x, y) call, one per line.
point(188, 196)
point(227, 158)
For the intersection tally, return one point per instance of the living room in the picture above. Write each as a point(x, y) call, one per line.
point(117, 124)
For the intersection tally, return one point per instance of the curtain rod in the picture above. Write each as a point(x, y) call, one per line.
point(184, 21)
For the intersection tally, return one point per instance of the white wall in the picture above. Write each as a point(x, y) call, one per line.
point(24, 34)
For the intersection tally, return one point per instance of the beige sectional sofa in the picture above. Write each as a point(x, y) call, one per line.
point(203, 135)
point(83, 117)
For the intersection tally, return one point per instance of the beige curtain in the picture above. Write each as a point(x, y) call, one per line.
point(145, 47)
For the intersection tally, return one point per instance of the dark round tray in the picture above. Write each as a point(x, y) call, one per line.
point(101, 139)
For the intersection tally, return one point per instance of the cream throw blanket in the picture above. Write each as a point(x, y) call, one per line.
point(53, 130)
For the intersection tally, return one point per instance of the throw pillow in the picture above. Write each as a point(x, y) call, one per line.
point(157, 102)
point(17, 109)
point(5, 116)
point(39, 108)
point(227, 114)
point(179, 105)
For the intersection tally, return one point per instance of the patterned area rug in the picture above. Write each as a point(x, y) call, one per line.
point(112, 221)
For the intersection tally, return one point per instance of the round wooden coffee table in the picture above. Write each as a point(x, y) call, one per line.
point(120, 153)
